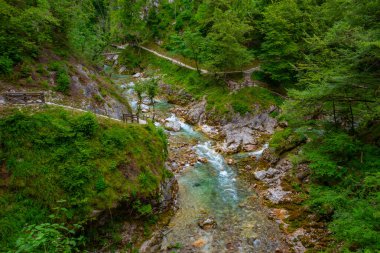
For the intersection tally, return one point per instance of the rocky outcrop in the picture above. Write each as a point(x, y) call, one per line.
point(167, 196)
point(273, 179)
point(196, 113)
point(243, 133)
point(94, 100)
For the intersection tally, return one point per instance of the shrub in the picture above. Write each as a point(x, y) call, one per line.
point(25, 70)
point(141, 208)
point(63, 82)
point(86, 125)
point(6, 65)
point(240, 107)
point(58, 66)
point(49, 237)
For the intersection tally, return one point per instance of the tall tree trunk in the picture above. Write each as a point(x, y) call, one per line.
point(352, 118)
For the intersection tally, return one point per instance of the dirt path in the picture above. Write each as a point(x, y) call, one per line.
point(179, 63)
point(247, 72)
point(81, 110)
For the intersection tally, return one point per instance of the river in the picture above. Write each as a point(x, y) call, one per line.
point(212, 191)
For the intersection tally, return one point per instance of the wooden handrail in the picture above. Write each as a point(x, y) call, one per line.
point(25, 97)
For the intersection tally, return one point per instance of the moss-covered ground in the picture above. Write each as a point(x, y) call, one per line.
point(68, 164)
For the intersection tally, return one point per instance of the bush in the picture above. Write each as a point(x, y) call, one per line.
point(6, 65)
point(57, 66)
point(86, 125)
point(142, 209)
point(240, 107)
point(63, 82)
point(49, 237)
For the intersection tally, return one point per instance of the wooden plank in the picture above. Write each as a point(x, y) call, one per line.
point(25, 97)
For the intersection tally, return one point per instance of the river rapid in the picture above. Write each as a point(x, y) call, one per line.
point(217, 211)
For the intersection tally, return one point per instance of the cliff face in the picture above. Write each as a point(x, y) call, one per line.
point(68, 81)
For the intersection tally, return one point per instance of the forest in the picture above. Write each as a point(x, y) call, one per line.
point(324, 55)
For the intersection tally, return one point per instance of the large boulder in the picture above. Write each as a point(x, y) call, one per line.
point(172, 126)
point(243, 132)
point(196, 113)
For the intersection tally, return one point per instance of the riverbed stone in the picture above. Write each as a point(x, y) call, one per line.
point(207, 223)
point(199, 243)
point(172, 126)
point(137, 75)
point(276, 194)
point(230, 161)
point(202, 159)
point(210, 131)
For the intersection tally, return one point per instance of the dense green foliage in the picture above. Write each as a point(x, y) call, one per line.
point(27, 27)
point(325, 52)
point(69, 165)
point(214, 36)
point(346, 190)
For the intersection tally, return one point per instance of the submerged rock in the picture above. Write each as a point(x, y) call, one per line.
point(172, 125)
point(199, 243)
point(207, 223)
point(202, 159)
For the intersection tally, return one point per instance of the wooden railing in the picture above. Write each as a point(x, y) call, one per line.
point(130, 117)
point(25, 97)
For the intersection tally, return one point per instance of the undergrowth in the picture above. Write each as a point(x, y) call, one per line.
point(74, 162)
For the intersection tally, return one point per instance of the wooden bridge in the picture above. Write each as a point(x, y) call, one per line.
point(24, 97)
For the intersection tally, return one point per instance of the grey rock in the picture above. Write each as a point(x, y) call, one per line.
point(122, 69)
point(273, 177)
point(210, 131)
point(303, 171)
point(196, 113)
point(172, 126)
point(276, 195)
point(243, 132)
point(207, 223)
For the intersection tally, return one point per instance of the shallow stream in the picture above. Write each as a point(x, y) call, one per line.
point(212, 190)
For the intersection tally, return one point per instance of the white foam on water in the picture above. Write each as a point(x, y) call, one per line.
point(259, 152)
point(226, 176)
point(184, 127)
